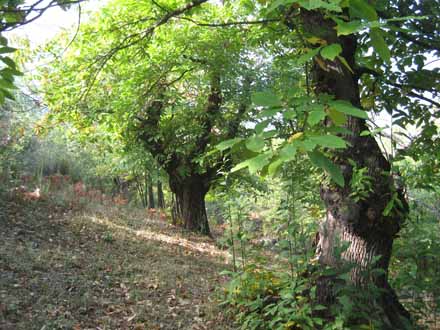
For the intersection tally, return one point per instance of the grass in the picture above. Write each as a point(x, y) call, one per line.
point(104, 268)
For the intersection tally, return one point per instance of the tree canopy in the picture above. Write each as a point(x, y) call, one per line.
point(209, 88)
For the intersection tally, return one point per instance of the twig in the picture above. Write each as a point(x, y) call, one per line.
point(26, 11)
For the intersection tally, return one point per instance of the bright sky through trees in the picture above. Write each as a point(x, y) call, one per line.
point(52, 22)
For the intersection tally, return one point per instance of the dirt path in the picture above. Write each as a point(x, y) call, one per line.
point(107, 269)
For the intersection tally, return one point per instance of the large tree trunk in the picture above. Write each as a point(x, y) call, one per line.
point(359, 223)
point(189, 203)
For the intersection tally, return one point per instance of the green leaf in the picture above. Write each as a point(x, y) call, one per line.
point(275, 166)
point(339, 130)
point(310, 4)
point(315, 117)
point(5, 84)
point(347, 108)
point(10, 72)
point(306, 144)
point(269, 134)
point(266, 99)
point(373, 132)
point(5, 50)
point(346, 303)
point(3, 41)
point(8, 61)
point(289, 114)
point(319, 160)
point(255, 143)
point(257, 163)
point(337, 117)
point(227, 144)
point(346, 28)
point(288, 152)
point(329, 141)
point(8, 94)
point(2, 97)
point(261, 126)
point(268, 113)
point(317, 4)
point(379, 44)
point(278, 3)
point(388, 208)
point(345, 63)
point(308, 56)
point(312, 107)
point(14, 17)
point(240, 166)
point(331, 51)
point(362, 9)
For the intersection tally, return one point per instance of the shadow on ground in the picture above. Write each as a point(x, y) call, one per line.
point(103, 269)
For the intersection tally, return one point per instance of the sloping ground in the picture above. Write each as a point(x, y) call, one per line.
point(108, 269)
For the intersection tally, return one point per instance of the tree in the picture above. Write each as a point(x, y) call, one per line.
point(185, 94)
point(160, 195)
point(151, 203)
point(347, 43)
point(367, 217)
point(336, 35)
point(370, 223)
point(365, 223)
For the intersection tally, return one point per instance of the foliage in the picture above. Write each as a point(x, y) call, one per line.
point(414, 271)
point(266, 301)
point(28, 155)
point(361, 183)
point(8, 71)
point(195, 88)
point(14, 14)
point(178, 99)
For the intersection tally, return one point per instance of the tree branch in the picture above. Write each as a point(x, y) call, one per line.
point(234, 124)
point(26, 11)
point(135, 38)
point(159, 6)
point(363, 70)
point(413, 94)
point(212, 109)
point(421, 97)
point(265, 21)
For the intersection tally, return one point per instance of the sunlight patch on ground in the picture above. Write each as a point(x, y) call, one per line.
point(201, 247)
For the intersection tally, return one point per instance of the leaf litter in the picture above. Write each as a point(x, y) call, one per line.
point(104, 268)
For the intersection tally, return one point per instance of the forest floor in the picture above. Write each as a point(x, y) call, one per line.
point(104, 268)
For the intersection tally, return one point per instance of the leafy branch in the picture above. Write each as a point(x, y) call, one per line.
point(134, 39)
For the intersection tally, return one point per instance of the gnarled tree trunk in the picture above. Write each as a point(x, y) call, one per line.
point(189, 202)
point(359, 223)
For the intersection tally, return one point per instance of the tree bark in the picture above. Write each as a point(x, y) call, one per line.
point(188, 189)
point(160, 196)
point(151, 203)
point(141, 186)
point(358, 223)
point(189, 203)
